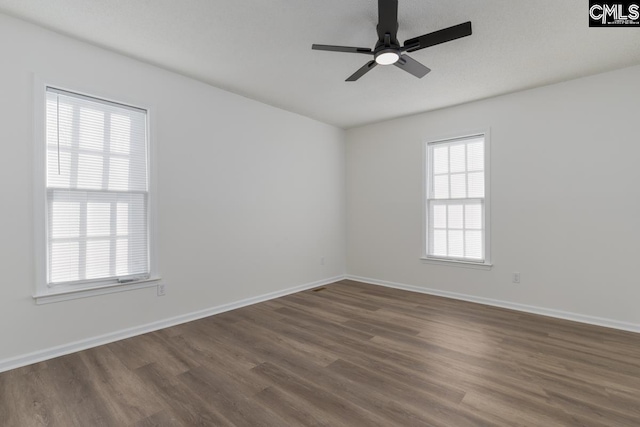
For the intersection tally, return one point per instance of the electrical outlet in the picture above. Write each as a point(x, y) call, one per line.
point(322, 261)
point(516, 277)
point(162, 289)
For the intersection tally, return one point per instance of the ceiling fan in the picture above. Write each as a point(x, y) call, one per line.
point(388, 50)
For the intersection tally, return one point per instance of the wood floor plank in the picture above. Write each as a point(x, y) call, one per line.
point(413, 399)
point(70, 378)
point(182, 402)
point(160, 419)
point(345, 412)
point(23, 402)
point(348, 354)
point(361, 396)
point(125, 396)
point(294, 409)
point(234, 399)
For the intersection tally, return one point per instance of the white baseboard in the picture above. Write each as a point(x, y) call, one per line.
point(591, 320)
point(61, 350)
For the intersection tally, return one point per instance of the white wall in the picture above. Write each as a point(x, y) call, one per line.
point(249, 197)
point(565, 199)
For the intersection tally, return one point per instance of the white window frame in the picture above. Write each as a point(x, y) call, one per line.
point(44, 294)
point(486, 264)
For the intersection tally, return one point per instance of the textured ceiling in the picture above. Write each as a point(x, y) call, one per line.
point(262, 49)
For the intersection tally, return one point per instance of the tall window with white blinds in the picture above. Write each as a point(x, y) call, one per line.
point(97, 190)
point(456, 199)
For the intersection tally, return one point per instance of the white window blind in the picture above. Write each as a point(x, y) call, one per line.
point(456, 199)
point(97, 190)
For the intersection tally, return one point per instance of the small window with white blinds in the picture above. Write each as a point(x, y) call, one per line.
point(456, 199)
point(97, 190)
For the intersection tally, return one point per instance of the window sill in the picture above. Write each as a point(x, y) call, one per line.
point(456, 263)
point(76, 293)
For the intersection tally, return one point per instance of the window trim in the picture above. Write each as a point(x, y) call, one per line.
point(486, 264)
point(42, 293)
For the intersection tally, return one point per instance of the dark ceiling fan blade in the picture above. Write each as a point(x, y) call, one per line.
point(412, 66)
point(362, 71)
point(437, 37)
point(346, 49)
point(387, 18)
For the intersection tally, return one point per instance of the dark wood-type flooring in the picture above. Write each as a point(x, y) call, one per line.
point(349, 355)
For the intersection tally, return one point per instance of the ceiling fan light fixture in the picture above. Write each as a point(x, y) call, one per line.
point(387, 57)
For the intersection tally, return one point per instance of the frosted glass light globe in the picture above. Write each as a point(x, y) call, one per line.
point(387, 58)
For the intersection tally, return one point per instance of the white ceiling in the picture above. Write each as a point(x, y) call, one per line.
point(262, 49)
